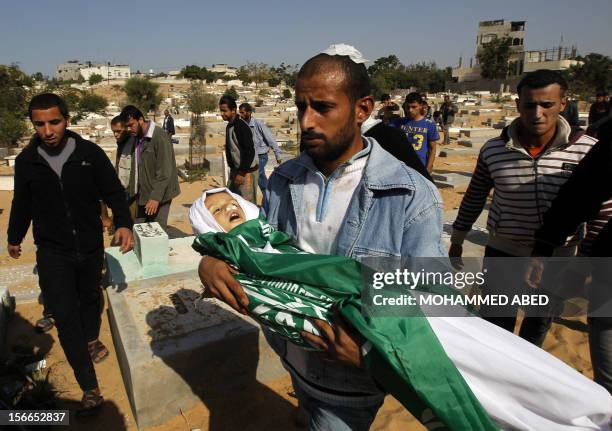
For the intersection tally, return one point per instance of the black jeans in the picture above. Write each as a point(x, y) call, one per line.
point(71, 289)
point(534, 328)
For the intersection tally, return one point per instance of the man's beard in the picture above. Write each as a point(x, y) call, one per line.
point(333, 147)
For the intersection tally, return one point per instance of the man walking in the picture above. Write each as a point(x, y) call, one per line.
point(155, 168)
point(422, 133)
point(125, 167)
point(526, 166)
point(263, 141)
point(448, 111)
point(239, 151)
point(168, 124)
point(59, 180)
point(336, 198)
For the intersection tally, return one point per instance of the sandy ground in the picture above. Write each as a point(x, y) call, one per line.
point(259, 407)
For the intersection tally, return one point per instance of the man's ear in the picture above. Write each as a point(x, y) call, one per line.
point(563, 103)
point(68, 121)
point(363, 109)
point(518, 103)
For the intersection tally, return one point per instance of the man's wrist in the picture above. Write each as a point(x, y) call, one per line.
point(458, 236)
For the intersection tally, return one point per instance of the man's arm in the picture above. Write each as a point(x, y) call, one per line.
point(472, 204)
point(21, 212)
point(270, 141)
point(163, 166)
point(433, 137)
point(579, 199)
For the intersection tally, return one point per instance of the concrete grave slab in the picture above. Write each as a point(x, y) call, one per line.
point(176, 349)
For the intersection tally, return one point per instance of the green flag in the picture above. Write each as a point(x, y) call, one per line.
point(287, 288)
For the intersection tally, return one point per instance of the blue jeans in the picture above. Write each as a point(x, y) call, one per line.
point(328, 417)
point(262, 181)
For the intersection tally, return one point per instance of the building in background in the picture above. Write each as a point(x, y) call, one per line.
point(75, 70)
point(520, 60)
point(224, 68)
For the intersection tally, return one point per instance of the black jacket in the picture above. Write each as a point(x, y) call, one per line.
point(580, 200)
point(169, 125)
point(394, 141)
point(238, 135)
point(66, 213)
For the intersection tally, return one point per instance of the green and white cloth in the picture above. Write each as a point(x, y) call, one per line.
point(464, 371)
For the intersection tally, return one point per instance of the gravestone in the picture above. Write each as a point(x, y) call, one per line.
point(175, 348)
point(150, 244)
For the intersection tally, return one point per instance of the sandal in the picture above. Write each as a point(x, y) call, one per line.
point(97, 351)
point(91, 401)
point(45, 324)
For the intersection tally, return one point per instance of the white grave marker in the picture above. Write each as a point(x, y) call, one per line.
point(150, 244)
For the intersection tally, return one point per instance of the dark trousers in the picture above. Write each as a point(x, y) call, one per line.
point(533, 329)
point(71, 288)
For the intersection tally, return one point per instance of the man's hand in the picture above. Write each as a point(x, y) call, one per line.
point(455, 252)
point(107, 224)
point(151, 207)
point(338, 341)
point(14, 250)
point(239, 179)
point(534, 271)
point(123, 237)
point(216, 276)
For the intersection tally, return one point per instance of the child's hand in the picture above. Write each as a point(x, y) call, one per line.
point(216, 276)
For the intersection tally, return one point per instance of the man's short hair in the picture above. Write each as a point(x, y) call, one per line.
point(229, 101)
point(601, 94)
point(542, 78)
point(385, 97)
point(130, 111)
point(414, 98)
point(356, 80)
point(246, 106)
point(47, 101)
point(116, 120)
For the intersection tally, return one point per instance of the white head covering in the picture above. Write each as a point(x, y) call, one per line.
point(344, 49)
point(202, 221)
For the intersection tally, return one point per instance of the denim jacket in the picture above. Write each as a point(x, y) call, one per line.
point(394, 212)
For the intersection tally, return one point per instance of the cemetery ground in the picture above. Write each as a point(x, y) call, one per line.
point(255, 407)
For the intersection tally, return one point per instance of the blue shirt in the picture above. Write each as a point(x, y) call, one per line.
point(262, 138)
point(420, 133)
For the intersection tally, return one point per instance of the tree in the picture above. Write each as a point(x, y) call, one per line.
point(592, 75)
point(287, 73)
point(201, 73)
point(493, 58)
point(142, 93)
point(383, 64)
point(198, 101)
point(12, 128)
point(274, 81)
point(231, 92)
point(254, 72)
point(286, 94)
point(92, 103)
point(38, 76)
point(14, 93)
point(95, 79)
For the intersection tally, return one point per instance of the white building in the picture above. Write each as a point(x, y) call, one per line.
point(74, 70)
point(223, 68)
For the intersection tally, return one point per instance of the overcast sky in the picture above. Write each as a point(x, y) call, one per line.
point(166, 35)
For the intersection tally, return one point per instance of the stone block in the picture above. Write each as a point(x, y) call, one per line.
point(150, 244)
point(176, 349)
point(465, 143)
point(7, 182)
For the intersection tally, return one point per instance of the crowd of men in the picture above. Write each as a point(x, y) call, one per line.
point(360, 187)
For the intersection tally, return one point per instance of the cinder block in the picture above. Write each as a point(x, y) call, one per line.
point(150, 244)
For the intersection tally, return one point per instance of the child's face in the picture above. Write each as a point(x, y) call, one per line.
point(225, 210)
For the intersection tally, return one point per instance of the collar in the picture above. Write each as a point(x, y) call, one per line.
point(150, 130)
point(562, 137)
point(382, 171)
point(306, 161)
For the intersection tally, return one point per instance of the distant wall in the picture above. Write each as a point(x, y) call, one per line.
point(492, 85)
